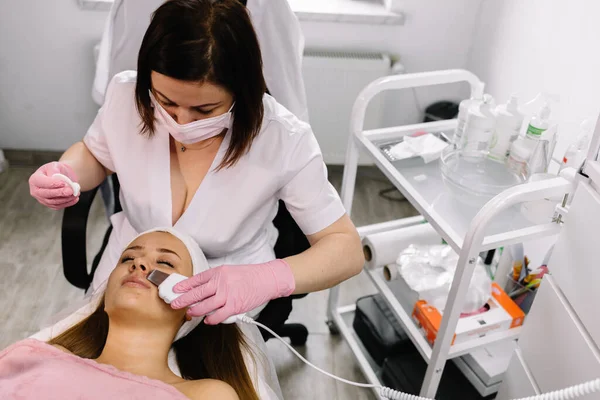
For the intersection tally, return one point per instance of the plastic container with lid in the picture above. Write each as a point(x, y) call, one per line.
point(479, 128)
point(520, 151)
point(508, 125)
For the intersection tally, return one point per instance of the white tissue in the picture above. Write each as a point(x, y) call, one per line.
point(428, 146)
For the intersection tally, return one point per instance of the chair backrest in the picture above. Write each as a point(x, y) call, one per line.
point(291, 240)
point(116, 192)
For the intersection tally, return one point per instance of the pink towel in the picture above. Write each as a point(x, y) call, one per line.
point(31, 369)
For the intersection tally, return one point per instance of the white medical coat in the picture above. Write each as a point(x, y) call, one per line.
point(231, 213)
point(279, 35)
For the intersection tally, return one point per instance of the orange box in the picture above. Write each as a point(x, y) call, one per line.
point(503, 315)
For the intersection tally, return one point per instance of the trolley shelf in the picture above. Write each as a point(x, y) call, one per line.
point(343, 318)
point(415, 334)
point(423, 186)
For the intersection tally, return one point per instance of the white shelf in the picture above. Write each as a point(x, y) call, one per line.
point(344, 317)
point(423, 186)
point(415, 334)
point(331, 11)
point(474, 379)
point(346, 11)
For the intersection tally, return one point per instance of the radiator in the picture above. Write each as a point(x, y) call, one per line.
point(333, 81)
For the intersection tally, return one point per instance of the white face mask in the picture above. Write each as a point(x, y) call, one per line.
point(193, 132)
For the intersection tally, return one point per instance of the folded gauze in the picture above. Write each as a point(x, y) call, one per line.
point(199, 264)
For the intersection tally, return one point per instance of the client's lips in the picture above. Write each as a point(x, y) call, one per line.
point(134, 281)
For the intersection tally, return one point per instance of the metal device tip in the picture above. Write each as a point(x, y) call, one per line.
point(157, 277)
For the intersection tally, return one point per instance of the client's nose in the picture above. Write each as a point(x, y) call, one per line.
point(139, 266)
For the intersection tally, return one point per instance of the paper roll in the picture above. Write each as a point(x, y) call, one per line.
point(391, 272)
point(381, 249)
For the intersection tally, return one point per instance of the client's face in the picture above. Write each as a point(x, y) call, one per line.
point(130, 293)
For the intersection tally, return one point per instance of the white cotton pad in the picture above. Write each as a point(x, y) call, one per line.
point(75, 186)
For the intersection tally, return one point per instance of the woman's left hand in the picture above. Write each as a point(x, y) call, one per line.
point(233, 289)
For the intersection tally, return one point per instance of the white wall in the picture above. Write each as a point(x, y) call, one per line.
point(542, 46)
point(46, 62)
point(46, 72)
point(436, 35)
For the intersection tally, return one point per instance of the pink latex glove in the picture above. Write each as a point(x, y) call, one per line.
point(233, 289)
point(53, 192)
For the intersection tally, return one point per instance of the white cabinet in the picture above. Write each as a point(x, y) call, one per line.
point(576, 258)
point(558, 346)
point(521, 382)
point(554, 343)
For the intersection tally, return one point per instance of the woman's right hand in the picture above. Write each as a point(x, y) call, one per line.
point(50, 191)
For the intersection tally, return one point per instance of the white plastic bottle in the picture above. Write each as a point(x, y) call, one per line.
point(463, 109)
point(576, 152)
point(479, 128)
point(508, 125)
point(539, 123)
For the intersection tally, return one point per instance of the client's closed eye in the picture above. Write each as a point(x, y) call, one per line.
point(165, 263)
point(126, 259)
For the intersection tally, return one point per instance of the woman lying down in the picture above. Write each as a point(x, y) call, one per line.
point(127, 343)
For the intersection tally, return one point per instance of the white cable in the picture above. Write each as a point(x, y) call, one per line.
point(383, 391)
point(249, 320)
point(569, 393)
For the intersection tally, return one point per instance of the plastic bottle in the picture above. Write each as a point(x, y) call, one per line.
point(463, 109)
point(576, 152)
point(508, 125)
point(539, 123)
point(479, 128)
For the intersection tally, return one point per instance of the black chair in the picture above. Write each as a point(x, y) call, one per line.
point(291, 241)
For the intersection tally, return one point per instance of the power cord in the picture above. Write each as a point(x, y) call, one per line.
point(569, 393)
point(389, 192)
point(385, 194)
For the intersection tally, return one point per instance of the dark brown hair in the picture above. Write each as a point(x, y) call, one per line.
point(206, 41)
point(208, 352)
